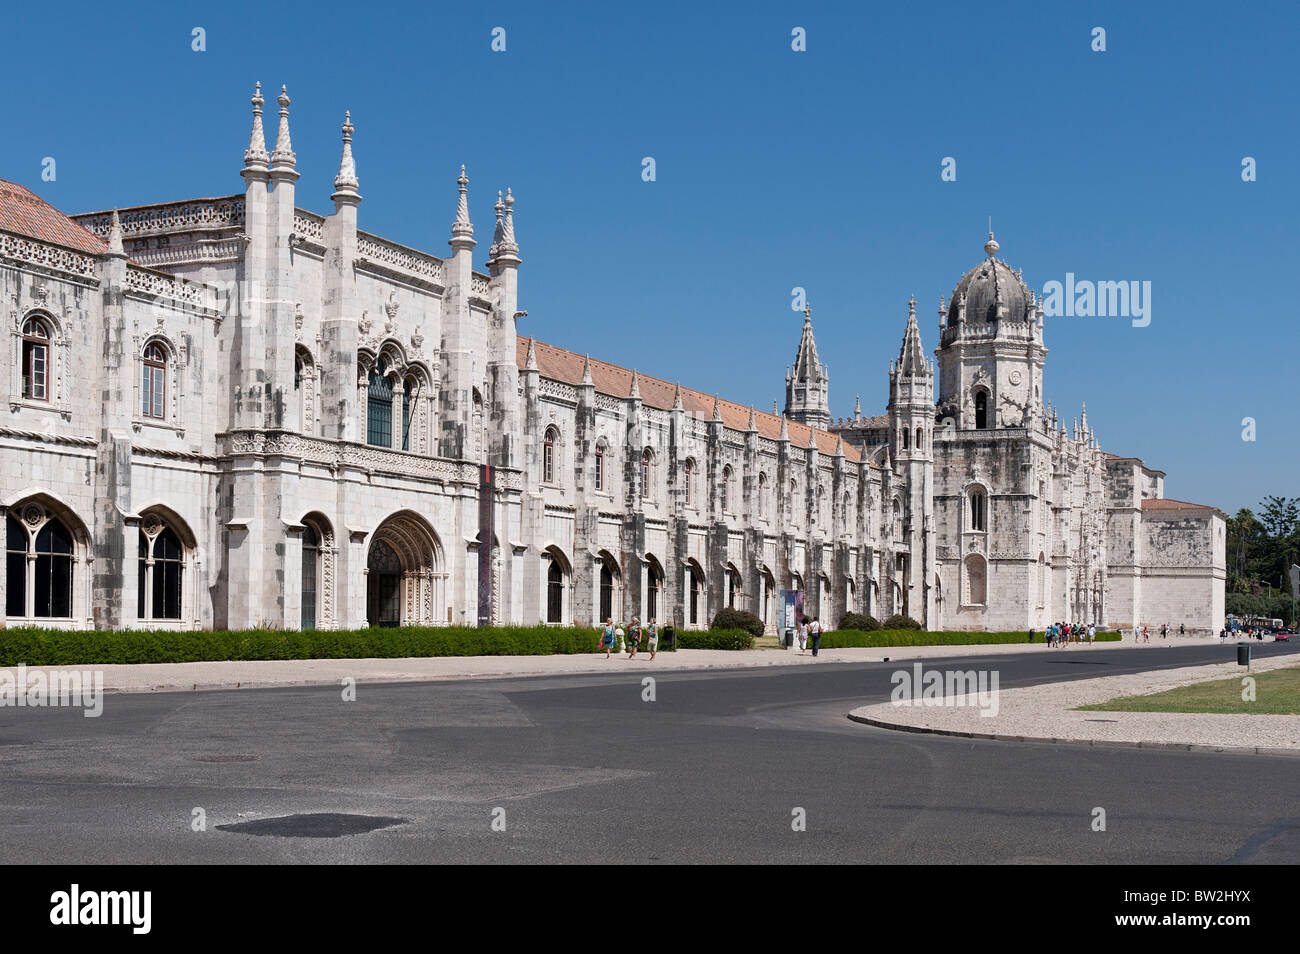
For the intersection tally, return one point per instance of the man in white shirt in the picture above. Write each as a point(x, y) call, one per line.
point(815, 631)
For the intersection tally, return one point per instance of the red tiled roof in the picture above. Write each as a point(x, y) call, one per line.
point(25, 213)
point(1164, 503)
point(560, 365)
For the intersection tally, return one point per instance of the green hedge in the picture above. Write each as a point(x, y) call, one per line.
point(714, 639)
point(52, 647)
point(844, 639)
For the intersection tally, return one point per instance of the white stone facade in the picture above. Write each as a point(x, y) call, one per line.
point(248, 414)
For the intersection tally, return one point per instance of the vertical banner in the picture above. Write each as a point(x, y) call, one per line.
point(787, 610)
point(486, 535)
point(798, 607)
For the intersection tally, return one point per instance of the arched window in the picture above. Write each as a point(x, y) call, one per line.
point(654, 587)
point(688, 478)
point(975, 580)
point(606, 592)
point(898, 521)
point(645, 473)
point(161, 572)
point(379, 407)
point(304, 388)
point(904, 436)
point(978, 507)
point(310, 560)
point(600, 469)
point(555, 592)
point(36, 360)
point(981, 409)
point(548, 456)
point(762, 496)
point(1042, 580)
point(920, 439)
point(39, 568)
point(696, 585)
point(153, 382)
point(733, 586)
point(726, 488)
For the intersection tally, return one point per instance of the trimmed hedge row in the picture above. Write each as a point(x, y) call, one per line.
point(715, 639)
point(844, 639)
point(54, 647)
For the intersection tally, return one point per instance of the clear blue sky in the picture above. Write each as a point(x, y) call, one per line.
point(774, 169)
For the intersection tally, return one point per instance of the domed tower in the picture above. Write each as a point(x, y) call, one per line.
point(807, 383)
point(991, 349)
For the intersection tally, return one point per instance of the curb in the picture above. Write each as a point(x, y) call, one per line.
point(1097, 743)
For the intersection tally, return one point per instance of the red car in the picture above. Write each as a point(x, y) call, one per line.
point(1282, 637)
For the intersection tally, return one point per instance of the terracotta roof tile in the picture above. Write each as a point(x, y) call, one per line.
point(561, 365)
point(1164, 503)
point(25, 213)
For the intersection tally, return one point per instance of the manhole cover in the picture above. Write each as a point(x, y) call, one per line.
point(316, 825)
point(226, 758)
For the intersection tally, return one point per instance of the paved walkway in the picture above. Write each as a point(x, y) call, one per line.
point(231, 675)
point(1045, 714)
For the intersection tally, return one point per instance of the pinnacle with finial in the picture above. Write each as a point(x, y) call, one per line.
point(462, 230)
point(635, 390)
point(677, 396)
point(530, 362)
point(283, 156)
point(345, 183)
point(586, 371)
point(255, 156)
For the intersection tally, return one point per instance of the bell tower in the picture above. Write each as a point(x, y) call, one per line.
point(807, 383)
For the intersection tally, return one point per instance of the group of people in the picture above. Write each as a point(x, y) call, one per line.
point(809, 630)
point(1060, 635)
point(1165, 632)
point(609, 638)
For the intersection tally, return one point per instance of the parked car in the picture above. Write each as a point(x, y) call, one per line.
point(1282, 636)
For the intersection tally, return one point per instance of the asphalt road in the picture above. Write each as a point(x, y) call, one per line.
point(581, 769)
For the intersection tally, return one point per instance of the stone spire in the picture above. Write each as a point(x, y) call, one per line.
point(839, 447)
point(508, 248)
point(753, 422)
point(255, 157)
point(911, 357)
point(634, 392)
point(462, 230)
point(857, 407)
point(115, 237)
point(785, 428)
point(587, 379)
point(283, 159)
point(499, 235)
point(530, 362)
point(345, 183)
point(807, 384)
point(717, 408)
point(677, 397)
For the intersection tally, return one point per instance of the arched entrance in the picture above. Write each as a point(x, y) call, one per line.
point(405, 581)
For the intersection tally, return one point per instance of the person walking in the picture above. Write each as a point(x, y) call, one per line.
point(607, 636)
point(633, 637)
point(652, 639)
point(815, 631)
point(803, 635)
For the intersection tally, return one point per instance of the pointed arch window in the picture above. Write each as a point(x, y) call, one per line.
point(310, 561)
point(726, 488)
point(646, 462)
point(978, 510)
point(981, 409)
point(548, 455)
point(153, 381)
point(688, 478)
point(600, 469)
point(554, 592)
point(36, 360)
point(379, 406)
point(39, 567)
point(161, 572)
